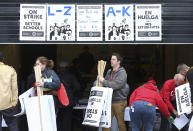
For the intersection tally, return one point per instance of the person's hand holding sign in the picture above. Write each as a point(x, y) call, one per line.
point(176, 113)
point(40, 84)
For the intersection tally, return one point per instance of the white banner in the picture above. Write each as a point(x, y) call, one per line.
point(89, 23)
point(96, 105)
point(32, 22)
point(183, 99)
point(148, 22)
point(60, 22)
point(119, 23)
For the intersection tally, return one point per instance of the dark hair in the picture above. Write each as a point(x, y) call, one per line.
point(119, 58)
point(1, 56)
point(44, 60)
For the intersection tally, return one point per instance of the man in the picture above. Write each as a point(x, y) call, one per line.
point(116, 79)
point(188, 73)
point(86, 60)
point(182, 69)
point(8, 95)
point(72, 86)
point(168, 94)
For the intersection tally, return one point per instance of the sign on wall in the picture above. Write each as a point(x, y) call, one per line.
point(60, 22)
point(89, 23)
point(119, 23)
point(32, 22)
point(148, 22)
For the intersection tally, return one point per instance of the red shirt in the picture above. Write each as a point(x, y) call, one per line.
point(149, 93)
point(168, 93)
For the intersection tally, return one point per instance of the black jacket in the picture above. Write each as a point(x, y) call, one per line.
point(54, 85)
point(72, 86)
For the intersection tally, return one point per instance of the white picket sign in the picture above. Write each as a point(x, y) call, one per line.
point(47, 113)
point(106, 113)
point(183, 99)
point(96, 104)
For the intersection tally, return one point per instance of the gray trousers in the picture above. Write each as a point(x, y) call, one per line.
point(10, 120)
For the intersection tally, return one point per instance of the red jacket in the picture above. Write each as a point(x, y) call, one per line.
point(168, 93)
point(149, 93)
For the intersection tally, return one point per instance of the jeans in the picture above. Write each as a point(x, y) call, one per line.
point(142, 112)
point(10, 120)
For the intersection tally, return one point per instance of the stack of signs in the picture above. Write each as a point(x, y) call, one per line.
point(32, 22)
point(183, 99)
point(119, 23)
point(148, 22)
point(98, 111)
point(60, 22)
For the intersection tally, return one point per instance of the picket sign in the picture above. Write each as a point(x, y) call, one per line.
point(106, 112)
point(29, 93)
point(47, 113)
point(98, 111)
point(191, 125)
point(183, 99)
point(3, 123)
point(127, 114)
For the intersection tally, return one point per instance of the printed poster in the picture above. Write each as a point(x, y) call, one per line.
point(32, 22)
point(60, 22)
point(119, 23)
point(89, 23)
point(148, 22)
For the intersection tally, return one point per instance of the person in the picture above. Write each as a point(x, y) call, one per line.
point(74, 68)
point(86, 60)
point(116, 79)
point(50, 80)
point(142, 105)
point(182, 69)
point(113, 34)
point(8, 95)
point(189, 79)
point(72, 85)
point(168, 94)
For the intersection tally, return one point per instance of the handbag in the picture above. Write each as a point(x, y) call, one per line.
point(62, 95)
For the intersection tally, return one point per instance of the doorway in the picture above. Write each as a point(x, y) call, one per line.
point(29, 53)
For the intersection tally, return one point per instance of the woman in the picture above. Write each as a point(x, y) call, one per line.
point(50, 80)
point(142, 106)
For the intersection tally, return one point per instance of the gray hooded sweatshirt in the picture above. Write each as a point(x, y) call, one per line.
point(118, 83)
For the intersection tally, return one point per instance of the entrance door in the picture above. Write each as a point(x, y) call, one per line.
point(29, 53)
